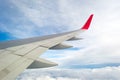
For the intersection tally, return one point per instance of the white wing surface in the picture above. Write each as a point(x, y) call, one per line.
point(17, 55)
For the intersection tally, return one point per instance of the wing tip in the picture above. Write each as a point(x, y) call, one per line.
point(88, 22)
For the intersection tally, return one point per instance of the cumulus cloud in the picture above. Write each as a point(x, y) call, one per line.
point(107, 73)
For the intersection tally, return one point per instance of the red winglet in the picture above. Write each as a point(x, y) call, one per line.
point(87, 24)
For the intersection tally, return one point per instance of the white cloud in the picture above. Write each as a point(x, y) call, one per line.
point(108, 73)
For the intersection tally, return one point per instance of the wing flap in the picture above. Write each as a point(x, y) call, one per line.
point(41, 63)
point(61, 46)
point(74, 38)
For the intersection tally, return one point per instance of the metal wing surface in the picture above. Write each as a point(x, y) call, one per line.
point(17, 55)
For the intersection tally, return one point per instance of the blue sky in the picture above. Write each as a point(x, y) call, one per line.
point(100, 46)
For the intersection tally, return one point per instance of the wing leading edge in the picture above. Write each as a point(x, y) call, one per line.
point(17, 55)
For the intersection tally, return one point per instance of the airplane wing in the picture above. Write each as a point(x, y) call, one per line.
point(17, 55)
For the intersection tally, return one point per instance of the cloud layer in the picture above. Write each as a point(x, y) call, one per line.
point(108, 73)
